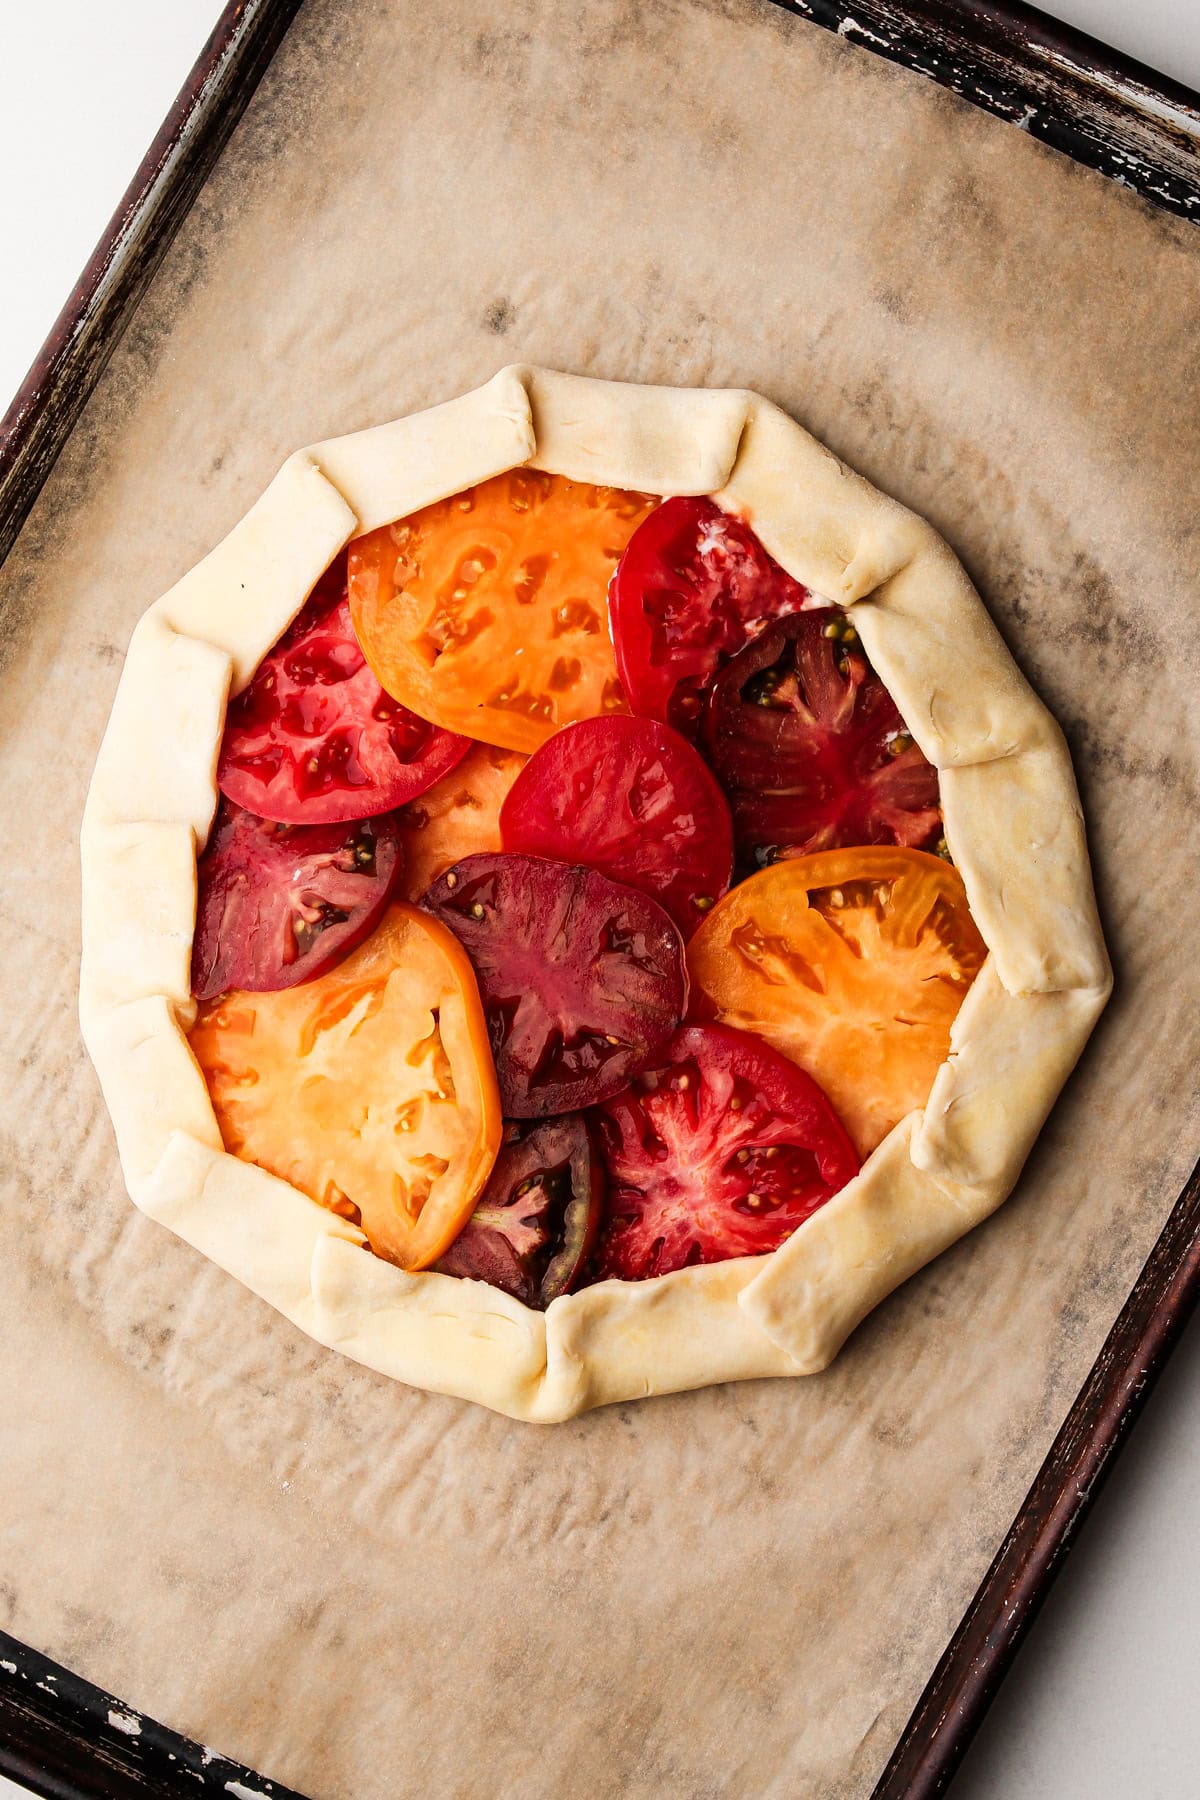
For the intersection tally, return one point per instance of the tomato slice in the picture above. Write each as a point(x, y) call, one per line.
point(851, 962)
point(536, 1221)
point(314, 740)
point(582, 979)
point(631, 798)
point(721, 1150)
point(281, 904)
point(457, 817)
point(370, 1089)
point(693, 587)
point(811, 749)
point(486, 612)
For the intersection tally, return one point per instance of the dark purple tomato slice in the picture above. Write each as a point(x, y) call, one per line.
point(535, 1223)
point(314, 740)
point(811, 749)
point(633, 799)
point(721, 1150)
point(692, 588)
point(280, 904)
point(582, 979)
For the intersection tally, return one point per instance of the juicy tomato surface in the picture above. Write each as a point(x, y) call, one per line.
point(811, 749)
point(281, 904)
point(486, 612)
point(582, 979)
point(631, 798)
point(370, 1089)
point(314, 740)
point(536, 1221)
point(851, 962)
point(721, 1150)
point(693, 587)
point(457, 817)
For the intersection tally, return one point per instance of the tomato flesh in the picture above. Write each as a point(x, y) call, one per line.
point(633, 799)
point(457, 817)
point(314, 740)
point(811, 749)
point(280, 904)
point(485, 612)
point(370, 1089)
point(722, 1150)
point(693, 587)
point(582, 979)
point(536, 1221)
point(851, 962)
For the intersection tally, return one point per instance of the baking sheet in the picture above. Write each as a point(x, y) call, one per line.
point(363, 1590)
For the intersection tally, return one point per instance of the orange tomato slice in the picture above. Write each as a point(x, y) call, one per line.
point(487, 613)
point(371, 1089)
point(853, 963)
point(458, 816)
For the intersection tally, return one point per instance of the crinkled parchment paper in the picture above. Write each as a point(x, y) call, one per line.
point(366, 1591)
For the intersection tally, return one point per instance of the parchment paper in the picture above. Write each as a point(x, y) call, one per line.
point(366, 1591)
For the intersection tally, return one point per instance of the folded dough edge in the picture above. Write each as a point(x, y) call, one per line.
point(1012, 820)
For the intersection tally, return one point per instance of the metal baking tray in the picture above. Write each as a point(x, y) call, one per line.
point(63, 1737)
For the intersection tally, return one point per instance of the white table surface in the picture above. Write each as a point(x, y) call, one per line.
point(1101, 1704)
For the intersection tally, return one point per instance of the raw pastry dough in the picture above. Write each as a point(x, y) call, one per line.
point(1012, 820)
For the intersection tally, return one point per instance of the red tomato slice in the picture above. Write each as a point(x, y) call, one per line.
point(314, 740)
point(630, 798)
point(582, 980)
point(536, 1220)
point(693, 587)
point(722, 1150)
point(281, 904)
point(811, 749)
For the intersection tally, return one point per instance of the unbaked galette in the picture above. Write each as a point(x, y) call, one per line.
point(578, 901)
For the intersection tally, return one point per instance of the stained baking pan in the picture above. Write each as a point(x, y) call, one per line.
point(59, 1734)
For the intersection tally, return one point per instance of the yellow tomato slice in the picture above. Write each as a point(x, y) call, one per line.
point(371, 1089)
point(458, 816)
point(487, 613)
point(853, 963)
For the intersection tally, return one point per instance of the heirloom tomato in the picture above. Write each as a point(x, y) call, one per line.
point(811, 749)
point(721, 1150)
point(536, 1220)
point(631, 798)
point(582, 979)
point(693, 587)
point(280, 904)
point(314, 740)
point(486, 612)
point(370, 1089)
point(851, 962)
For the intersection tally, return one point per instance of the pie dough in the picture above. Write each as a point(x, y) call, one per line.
point(1013, 825)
